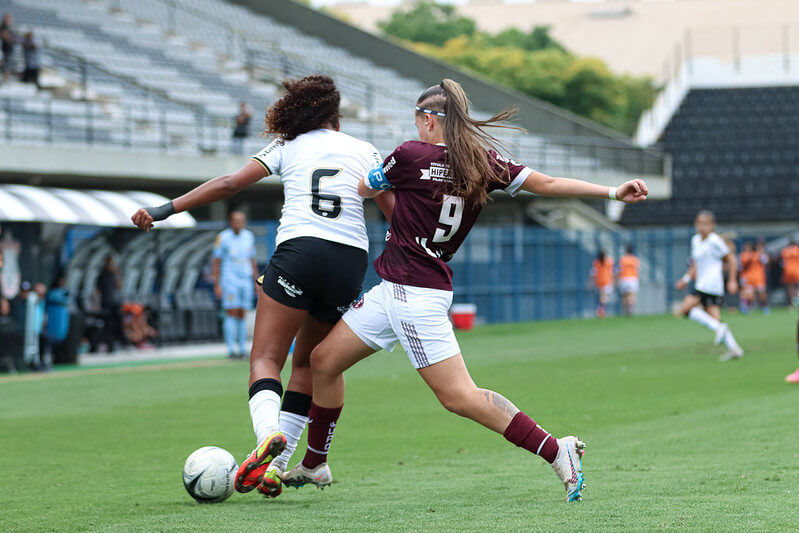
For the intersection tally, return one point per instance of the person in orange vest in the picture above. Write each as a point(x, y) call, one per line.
point(753, 276)
point(790, 271)
point(629, 273)
point(602, 273)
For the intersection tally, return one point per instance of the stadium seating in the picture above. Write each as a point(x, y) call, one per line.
point(734, 152)
point(169, 75)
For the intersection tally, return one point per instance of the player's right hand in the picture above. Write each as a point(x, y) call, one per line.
point(142, 219)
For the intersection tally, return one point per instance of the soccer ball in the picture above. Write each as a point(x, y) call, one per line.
point(209, 473)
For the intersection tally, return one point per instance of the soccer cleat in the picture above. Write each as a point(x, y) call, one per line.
point(300, 475)
point(568, 465)
point(792, 378)
point(735, 353)
point(252, 479)
point(721, 332)
point(271, 485)
point(247, 478)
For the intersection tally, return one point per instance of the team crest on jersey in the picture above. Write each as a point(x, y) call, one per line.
point(436, 172)
point(357, 304)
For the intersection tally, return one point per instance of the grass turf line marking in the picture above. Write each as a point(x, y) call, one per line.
point(113, 370)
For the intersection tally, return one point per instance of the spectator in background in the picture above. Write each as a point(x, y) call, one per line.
point(31, 53)
point(5, 309)
point(8, 41)
point(629, 271)
point(790, 271)
point(235, 272)
point(57, 312)
point(108, 284)
point(753, 262)
point(602, 274)
point(241, 130)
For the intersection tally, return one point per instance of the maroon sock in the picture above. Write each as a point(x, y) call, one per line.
point(321, 425)
point(525, 433)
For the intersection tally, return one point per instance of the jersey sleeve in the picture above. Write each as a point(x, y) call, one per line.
point(513, 174)
point(720, 248)
point(385, 175)
point(218, 252)
point(271, 156)
point(375, 177)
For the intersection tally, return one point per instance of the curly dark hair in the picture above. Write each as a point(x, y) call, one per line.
point(309, 104)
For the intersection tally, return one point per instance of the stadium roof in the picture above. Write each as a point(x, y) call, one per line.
point(23, 203)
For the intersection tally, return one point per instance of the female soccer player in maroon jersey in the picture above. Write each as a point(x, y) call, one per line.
point(440, 183)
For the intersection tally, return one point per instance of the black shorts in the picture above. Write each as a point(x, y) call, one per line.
point(708, 300)
point(320, 276)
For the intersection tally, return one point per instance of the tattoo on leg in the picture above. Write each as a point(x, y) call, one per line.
point(500, 401)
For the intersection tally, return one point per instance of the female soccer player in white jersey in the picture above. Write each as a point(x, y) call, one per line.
point(703, 305)
point(317, 269)
point(440, 184)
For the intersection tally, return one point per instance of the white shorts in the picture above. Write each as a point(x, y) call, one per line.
point(628, 285)
point(416, 317)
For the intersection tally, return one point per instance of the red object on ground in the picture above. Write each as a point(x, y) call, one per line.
point(463, 316)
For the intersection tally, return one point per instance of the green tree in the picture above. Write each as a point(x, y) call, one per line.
point(531, 62)
point(427, 22)
point(536, 39)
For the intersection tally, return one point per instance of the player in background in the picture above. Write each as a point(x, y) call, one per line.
point(234, 273)
point(441, 183)
point(753, 262)
point(316, 270)
point(602, 275)
point(629, 274)
point(708, 251)
point(794, 377)
point(790, 271)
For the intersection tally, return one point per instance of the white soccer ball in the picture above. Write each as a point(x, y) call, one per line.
point(209, 474)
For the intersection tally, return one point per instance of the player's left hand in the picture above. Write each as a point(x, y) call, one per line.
point(632, 191)
point(732, 286)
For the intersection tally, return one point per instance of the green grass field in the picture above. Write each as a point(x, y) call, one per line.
point(675, 438)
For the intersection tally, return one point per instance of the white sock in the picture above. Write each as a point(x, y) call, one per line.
point(265, 413)
point(730, 341)
point(291, 425)
point(700, 315)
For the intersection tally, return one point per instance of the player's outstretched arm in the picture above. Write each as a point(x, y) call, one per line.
point(543, 185)
point(211, 191)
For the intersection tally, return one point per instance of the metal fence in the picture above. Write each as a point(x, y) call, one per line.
point(520, 273)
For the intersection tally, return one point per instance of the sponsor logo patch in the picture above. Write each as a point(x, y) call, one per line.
point(358, 303)
point(436, 172)
point(290, 289)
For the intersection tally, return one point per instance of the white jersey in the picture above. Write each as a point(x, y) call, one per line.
point(320, 171)
point(707, 256)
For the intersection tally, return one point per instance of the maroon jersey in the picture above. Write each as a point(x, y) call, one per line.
point(428, 226)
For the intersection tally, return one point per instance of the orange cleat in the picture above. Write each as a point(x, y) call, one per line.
point(253, 468)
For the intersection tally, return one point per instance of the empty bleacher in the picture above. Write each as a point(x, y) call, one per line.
point(168, 75)
point(734, 152)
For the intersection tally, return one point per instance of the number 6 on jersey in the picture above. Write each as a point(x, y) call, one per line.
point(332, 203)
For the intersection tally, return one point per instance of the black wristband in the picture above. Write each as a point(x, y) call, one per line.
point(161, 212)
